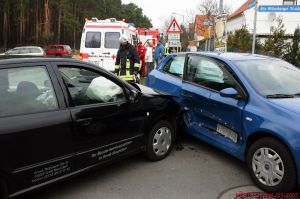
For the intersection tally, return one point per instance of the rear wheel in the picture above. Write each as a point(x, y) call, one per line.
point(3, 190)
point(160, 141)
point(271, 165)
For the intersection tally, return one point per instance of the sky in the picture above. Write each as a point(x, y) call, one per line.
point(159, 10)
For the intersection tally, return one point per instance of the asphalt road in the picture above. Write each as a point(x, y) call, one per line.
point(197, 171)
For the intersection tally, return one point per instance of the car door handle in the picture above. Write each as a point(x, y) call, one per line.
point(185, 109)
point(108, 53)
point(84, 122)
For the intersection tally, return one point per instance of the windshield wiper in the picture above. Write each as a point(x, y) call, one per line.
point(280, 96)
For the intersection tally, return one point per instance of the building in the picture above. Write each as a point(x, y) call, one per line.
point(244, 16)
point(200, 30)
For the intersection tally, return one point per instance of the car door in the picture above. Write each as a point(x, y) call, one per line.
point(106, 124)
point(168, 78)
point(35, 128)
point(209, 115)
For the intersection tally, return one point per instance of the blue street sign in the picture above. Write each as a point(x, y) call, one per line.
point(276, 8)
point(251, 4)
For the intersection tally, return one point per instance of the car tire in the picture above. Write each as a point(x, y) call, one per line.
point(160, 141)
point(3, 190)
point(271, 165)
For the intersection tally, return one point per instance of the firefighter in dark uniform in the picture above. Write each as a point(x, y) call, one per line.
point(127, 61)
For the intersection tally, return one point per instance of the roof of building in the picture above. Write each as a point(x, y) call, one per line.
point(199, 24)
point(240, 10)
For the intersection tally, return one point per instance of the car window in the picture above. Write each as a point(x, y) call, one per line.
point(24, 51)
point(13, 51)
point(34, 50)
point(52, 48)
point(26, 90)
point(68, 48)
point(60, 48)
point(112, 40)
point(89, 87)
point(93, 40)
point(175, 66)
point(208, 73)
point(271, 76)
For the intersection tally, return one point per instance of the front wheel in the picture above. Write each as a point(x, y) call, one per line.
point(271, 165)
point(160, 141)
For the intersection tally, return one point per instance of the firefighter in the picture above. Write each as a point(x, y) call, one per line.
point(127, 63)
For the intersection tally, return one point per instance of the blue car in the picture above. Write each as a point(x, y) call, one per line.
point(247, 105)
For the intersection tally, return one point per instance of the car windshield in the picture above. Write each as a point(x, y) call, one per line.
point(272, 78)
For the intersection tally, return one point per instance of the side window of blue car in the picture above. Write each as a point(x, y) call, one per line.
point(208, 73)
point(175, 66)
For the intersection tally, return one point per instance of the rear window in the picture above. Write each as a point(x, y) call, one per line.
point(68, 48)
point(93, 40)
point(112, 40)
point(60, 48)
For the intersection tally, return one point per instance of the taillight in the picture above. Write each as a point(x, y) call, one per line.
point(84, 56)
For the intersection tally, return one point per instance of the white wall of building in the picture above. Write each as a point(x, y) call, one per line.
point(266, 20)
point(236, 23)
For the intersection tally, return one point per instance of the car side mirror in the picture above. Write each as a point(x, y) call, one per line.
point(229, 92)
point(133, 96)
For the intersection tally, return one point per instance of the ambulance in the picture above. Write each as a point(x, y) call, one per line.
point(100, 41)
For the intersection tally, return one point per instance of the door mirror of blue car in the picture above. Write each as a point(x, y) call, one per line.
point(229, 92)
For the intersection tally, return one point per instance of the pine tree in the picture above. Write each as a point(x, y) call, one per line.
point(240, 40)
point(275, 44)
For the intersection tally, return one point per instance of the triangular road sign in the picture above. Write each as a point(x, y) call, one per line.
point(174, 27)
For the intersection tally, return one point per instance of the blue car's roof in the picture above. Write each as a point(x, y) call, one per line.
point(232, 56)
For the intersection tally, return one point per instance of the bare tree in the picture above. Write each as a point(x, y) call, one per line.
point(211, 8)
point(190, 15)
point(208, 7)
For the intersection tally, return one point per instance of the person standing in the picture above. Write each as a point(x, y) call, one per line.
point(127, 63)
point(142, 52)
point(149, 58)
point(159, 53)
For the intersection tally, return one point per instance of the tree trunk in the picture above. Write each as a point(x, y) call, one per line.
point(59, 21)
point(37, 25)
point(5, 29)
point(47, 18)
point(74, 31)
point(21, 23)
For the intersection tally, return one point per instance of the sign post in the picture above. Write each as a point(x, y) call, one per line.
point(254, 27)
point(174, 32)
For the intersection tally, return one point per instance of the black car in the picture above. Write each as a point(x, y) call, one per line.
point(60, 117)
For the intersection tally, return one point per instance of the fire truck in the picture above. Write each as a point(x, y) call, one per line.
point(100, 41)
point(148, 35)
